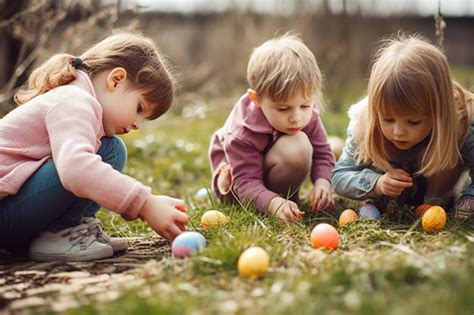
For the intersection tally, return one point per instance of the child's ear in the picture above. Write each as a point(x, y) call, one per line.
point(116, 76)
point(253, 97)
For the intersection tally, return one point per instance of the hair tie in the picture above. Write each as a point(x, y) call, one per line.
point(77, 63)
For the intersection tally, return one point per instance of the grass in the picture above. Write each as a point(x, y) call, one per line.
point(388, 266)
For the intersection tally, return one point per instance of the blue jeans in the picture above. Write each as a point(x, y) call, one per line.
point(42, 203)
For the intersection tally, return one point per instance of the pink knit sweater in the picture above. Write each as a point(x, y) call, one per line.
point(65, 125)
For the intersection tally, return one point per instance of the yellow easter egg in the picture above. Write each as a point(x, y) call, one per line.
point(253, 262)
point(434, 219)
point(347, 216)
point(213, 218)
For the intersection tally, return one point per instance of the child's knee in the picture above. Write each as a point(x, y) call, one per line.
point(295, 150)
point(114, 152)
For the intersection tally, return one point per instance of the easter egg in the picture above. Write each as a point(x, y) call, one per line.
point(347, 216)
point(186, 243)
point(369, 212)
point(213, 218)
point(324, 235)
point(201, 193)
point(434, 219)
point(253, 262)
point(421, 209)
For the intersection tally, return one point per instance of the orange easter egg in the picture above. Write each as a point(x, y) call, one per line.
point(324, 235)
point(347, 216)
point(434, 219)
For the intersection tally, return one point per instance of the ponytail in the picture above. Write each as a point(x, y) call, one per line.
point(146, 70)
point(58, 70)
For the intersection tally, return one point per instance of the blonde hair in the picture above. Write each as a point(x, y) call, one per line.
point(282, 67)
point(138, 55)
point(411, 77)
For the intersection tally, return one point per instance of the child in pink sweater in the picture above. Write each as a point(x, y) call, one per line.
point(273, 138)
point(60, 159)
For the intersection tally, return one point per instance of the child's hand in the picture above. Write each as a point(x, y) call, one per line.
point(165, 215)
point(393, 183)
point(285, 210)
point(321, 197)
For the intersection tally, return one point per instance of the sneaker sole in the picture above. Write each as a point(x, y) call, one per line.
point(119, 246)
point(99, 253)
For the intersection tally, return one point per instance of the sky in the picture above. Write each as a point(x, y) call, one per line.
point(379, 7)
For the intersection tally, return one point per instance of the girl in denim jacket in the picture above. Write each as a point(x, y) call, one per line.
point(412, 137)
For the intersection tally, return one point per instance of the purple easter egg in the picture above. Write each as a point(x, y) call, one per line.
point(369, 212)
point(185, 244)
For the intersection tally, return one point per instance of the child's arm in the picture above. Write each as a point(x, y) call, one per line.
point(351, 180)
point(360, 181)
point(73, 126)
point(467, 153)
point(323, 158)
point(465, 204)
point(247, 167)
point(322, 165)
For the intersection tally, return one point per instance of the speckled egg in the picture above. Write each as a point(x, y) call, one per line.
point(213, 218)
point(434, 219)
point(347, 216)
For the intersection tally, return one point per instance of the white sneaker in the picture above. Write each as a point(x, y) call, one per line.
point(71, 244)
point(95, 228)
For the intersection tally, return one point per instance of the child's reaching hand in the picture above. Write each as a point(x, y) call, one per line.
point(393, 183)
point(285, 210)
point(165, 215)
point(321, 197)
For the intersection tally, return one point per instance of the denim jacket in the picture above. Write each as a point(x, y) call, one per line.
point(467, 154)
point(358, 181)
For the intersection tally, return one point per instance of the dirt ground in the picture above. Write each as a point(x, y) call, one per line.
point(25, 284)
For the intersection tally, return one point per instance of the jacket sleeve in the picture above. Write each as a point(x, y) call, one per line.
point(247, 168)
point(467, 153)
point(351, 180)
point(323, 158)
point(73, 127)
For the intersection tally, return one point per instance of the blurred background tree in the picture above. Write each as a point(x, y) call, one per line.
point(209, 42)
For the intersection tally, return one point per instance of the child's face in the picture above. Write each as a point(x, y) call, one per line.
point(405, 132)
point(123, 107)
point(290, 116)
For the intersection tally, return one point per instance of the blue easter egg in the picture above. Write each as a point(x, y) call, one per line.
point(369, 212)
point(201, 193)
point(186, 243)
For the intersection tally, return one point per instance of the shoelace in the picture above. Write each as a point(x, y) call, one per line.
point(79, 235)
point(94, 224)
